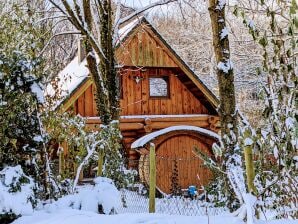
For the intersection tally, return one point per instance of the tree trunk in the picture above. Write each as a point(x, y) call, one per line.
point(225, 75)
point(104, 75)
point(107, 67)
point(105, 78)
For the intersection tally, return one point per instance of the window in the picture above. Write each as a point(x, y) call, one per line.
point(159, 86)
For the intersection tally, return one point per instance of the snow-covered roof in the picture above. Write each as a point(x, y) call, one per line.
point(76, 72)
point(125, 30)
point(141, 142)
point(69, 78)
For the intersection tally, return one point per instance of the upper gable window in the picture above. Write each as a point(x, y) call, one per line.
point(159, 86)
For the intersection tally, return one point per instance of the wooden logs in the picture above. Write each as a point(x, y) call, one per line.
point(142, 151)
point(161, 125)
point(144, 169)
point(123, 126)
point(214, 124)
point(148, 121)
point(212, 119)
point(148, 124)
point(148, 128)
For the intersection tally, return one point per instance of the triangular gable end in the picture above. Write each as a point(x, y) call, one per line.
point(143, 45)
point(140, 49)
point(140, 46)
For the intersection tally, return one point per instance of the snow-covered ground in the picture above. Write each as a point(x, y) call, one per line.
point(73, 216)
point(135, 212)
point(82, 208)
point(136, 203)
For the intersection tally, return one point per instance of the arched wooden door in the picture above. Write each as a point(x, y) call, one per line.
point(175, 159)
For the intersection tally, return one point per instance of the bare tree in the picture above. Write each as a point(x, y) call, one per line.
point(192, 39)
point(98, 22)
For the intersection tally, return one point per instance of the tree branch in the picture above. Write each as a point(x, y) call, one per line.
point(54, 36)
point(159, 3)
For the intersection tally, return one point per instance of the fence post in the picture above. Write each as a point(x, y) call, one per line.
point(100, 162)
point(152, 179)
point(61, 161)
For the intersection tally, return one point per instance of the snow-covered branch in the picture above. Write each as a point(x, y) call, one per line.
point(56, 35)
point(140, 11)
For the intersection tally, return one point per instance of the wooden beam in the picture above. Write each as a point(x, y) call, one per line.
point(148, 128)
point(180, 118)
point(161, 125)
point(96, 120)
point(131, 126)
point(123, 126)
point(70, 101)
point(152, 179)
point(149, 120)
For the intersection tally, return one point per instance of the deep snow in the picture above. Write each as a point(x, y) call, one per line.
point(73, 216)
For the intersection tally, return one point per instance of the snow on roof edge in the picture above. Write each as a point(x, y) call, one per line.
point(124, 31)
point(141, 142)
point(75, 72)
point(69, 78)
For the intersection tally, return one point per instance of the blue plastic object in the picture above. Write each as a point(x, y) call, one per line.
point(192, 191)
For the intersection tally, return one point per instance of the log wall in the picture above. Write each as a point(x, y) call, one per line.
point(136, 100)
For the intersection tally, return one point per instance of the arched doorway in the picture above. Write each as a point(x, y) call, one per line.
point(177, 166)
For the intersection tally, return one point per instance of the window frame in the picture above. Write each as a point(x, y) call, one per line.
point(167, 79)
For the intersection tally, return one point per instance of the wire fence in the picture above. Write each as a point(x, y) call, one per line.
point(179, 188)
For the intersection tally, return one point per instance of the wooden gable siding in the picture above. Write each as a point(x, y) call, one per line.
point(141, 49)
point(136, 100)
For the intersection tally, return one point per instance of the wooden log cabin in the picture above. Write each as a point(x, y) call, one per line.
point(162, 101)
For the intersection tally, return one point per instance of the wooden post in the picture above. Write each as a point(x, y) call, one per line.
point(81, 177)
point(100, 163)
point(249, 163)
point(75, 166)
point(61, 160)
point(152, 180)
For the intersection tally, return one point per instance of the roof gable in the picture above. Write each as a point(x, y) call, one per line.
point(141, 48)
point(140, 44)
point(170, 58)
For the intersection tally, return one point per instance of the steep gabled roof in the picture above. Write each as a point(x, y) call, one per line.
point(212, 100)
point(76, 73)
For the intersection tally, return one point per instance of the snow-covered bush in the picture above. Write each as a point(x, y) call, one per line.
point(103, 197)
point(114, 166)
point(22, 72)
point(85, 146)
point(16, 194)
point(276, 142)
